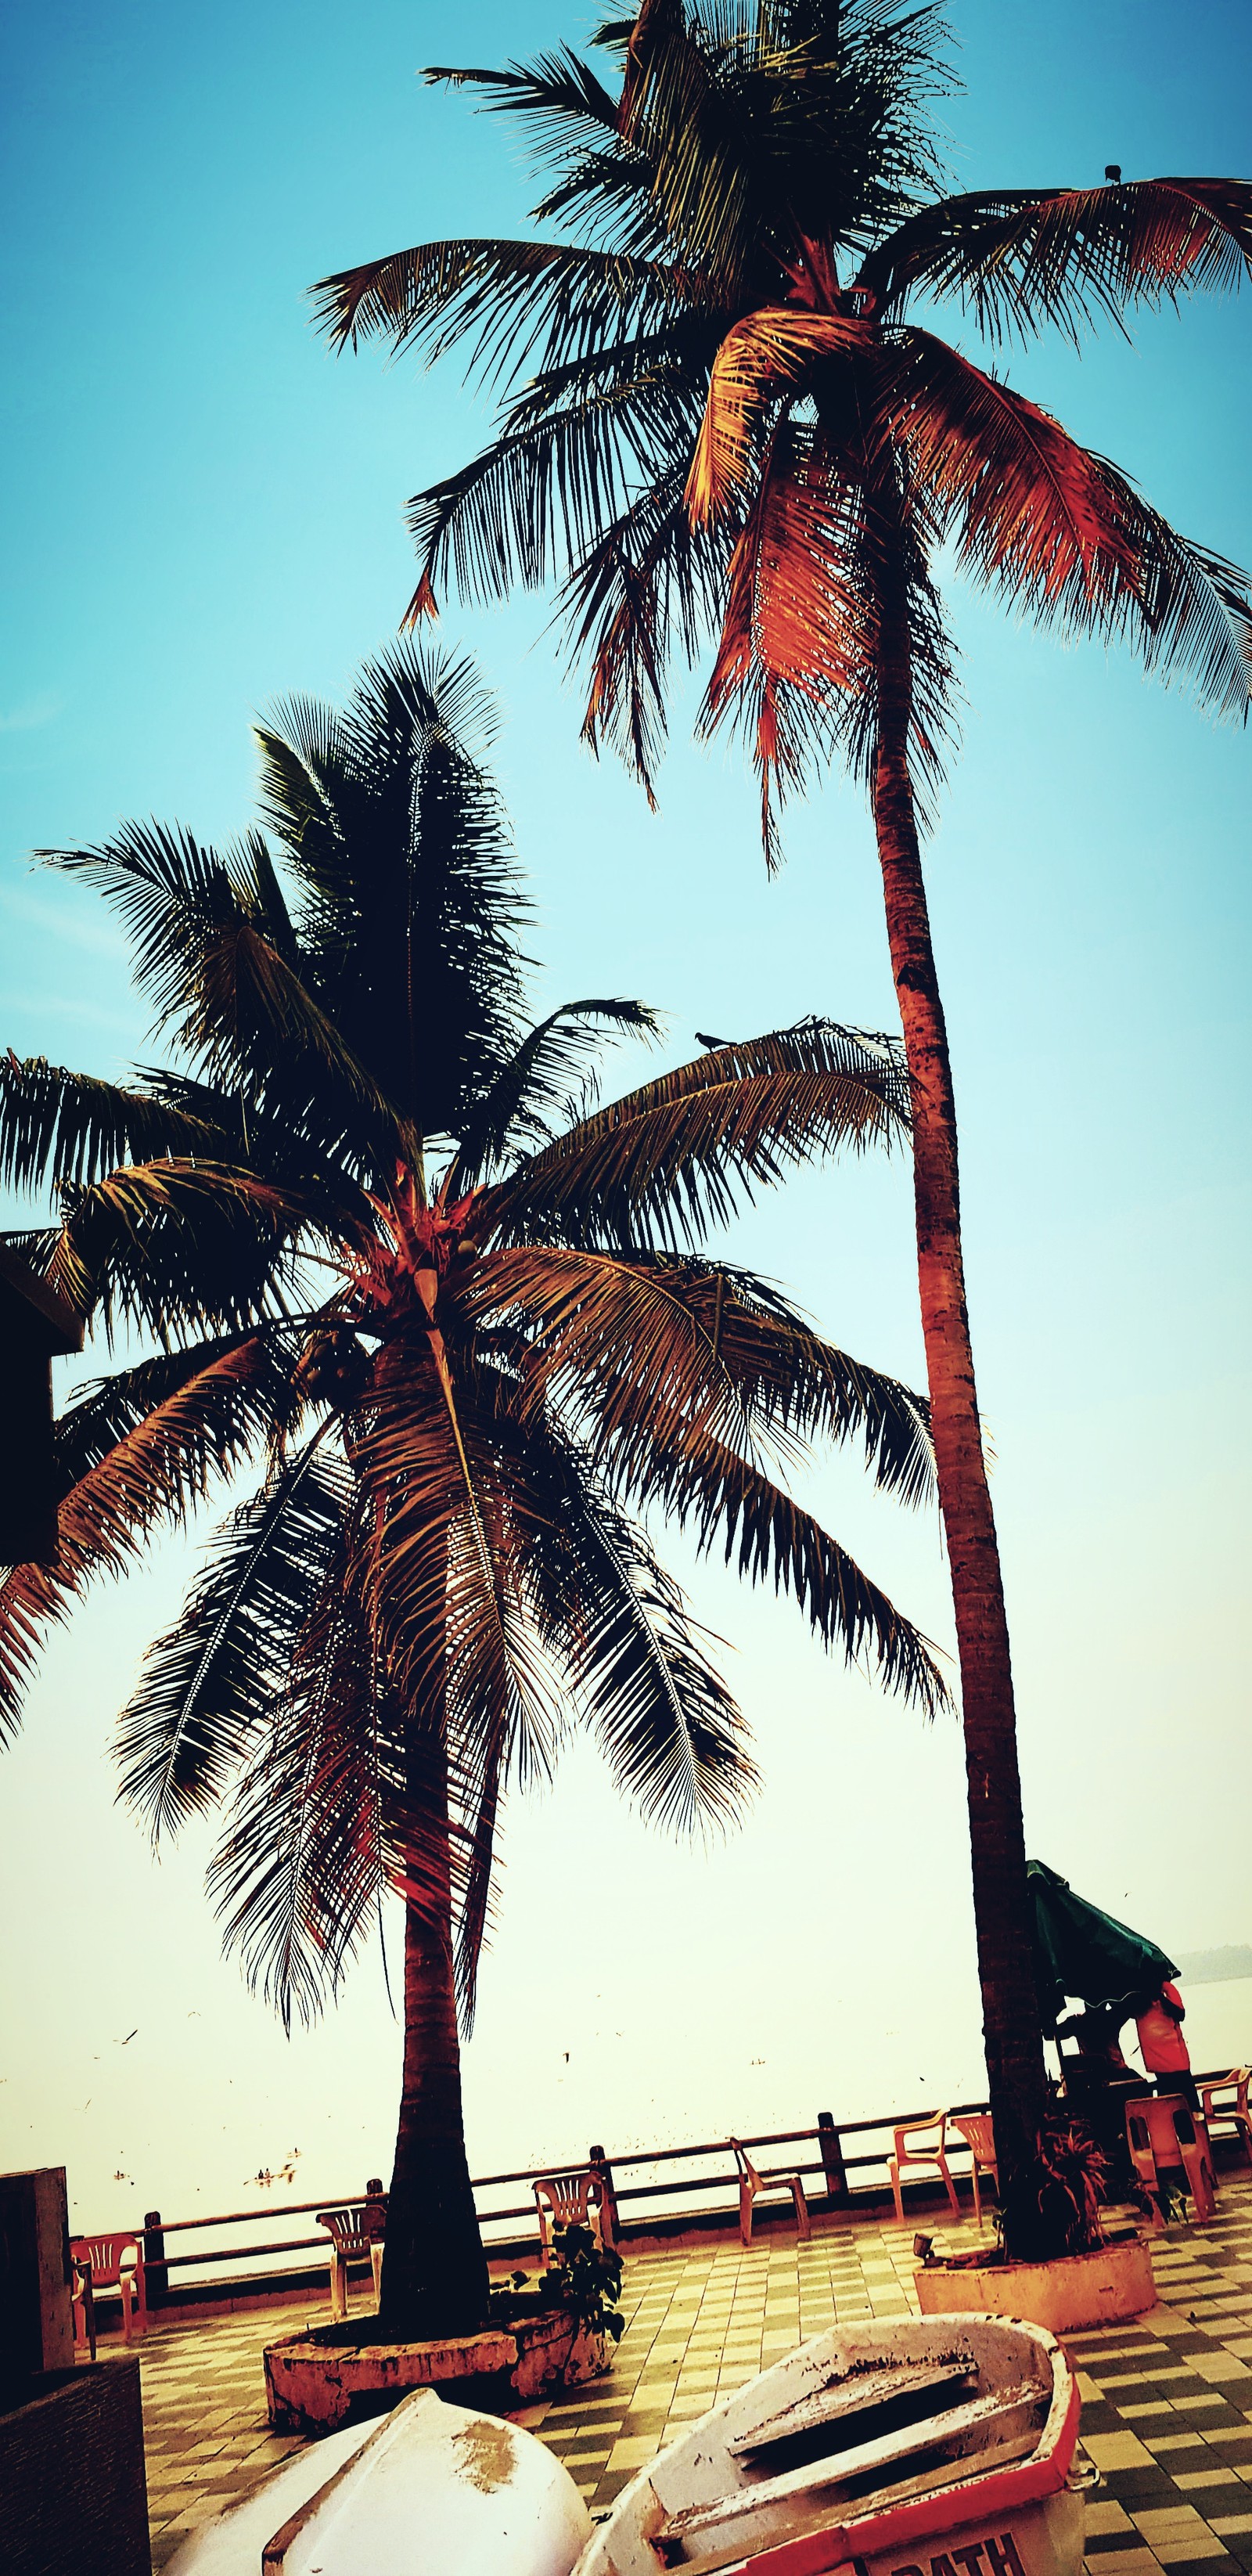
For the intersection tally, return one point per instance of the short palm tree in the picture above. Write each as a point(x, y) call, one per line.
point(462, 1324)
point(721, 418)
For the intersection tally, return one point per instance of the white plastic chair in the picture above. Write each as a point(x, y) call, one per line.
point(921, 2142)
point(775, 2185)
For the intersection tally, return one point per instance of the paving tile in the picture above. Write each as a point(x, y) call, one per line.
point(1163, 2417)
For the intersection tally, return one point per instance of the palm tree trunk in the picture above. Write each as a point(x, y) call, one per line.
point(1011, 2027)
point(434, 2269)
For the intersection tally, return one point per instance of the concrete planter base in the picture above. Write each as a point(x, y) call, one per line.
point(318, 2381)
point(1076, 2290)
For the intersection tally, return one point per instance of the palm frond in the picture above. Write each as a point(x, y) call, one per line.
point(57, 1126)
point(535, 500)
point(649, 582)
point(682, 1153)
point(208, 1686)
point(791, 1388)
point(1060, 529)
point(523, 306)
point(534, 1092)
point(796, 645)
point(769, 351)
point(1025, 259)
point(175, 1246)
point(770, 1537)
point(211, 1416)
point(682, 119)
point(635, 1661)
point(305, 1850)
point(411, 902)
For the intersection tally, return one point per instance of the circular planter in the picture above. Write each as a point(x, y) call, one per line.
point(1076, 2290)
point(316, 2381)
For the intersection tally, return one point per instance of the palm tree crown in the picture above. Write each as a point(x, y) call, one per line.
point(391, 1253)
point(718, 412)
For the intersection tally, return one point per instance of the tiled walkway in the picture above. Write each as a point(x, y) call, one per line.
point(1167, 2401)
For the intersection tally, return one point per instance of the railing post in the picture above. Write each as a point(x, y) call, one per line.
point(603, 2172)
point(156, 2279)
point(838, 2195)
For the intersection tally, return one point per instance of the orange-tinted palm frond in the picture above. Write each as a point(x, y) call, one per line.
point(437, 1575)
point(1025, 258)
point(797, 635)
point(217, 1413)
point(1060, 529)
point(657, 1358)
point(617, 1341)
point(1031, 507)
point(679, 1154)
point(769, 351)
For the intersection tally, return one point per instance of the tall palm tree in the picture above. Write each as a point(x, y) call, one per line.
point(463, 1326)
point(719, 419)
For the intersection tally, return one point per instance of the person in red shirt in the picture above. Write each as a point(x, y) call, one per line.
point(1165, 2052)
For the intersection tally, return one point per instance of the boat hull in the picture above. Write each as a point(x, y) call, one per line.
point(429, 2490)
point(977, 2488)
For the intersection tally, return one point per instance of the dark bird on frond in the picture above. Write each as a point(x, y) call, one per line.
point(703, 1039)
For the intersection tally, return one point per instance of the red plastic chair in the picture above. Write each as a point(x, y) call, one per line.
point(1164, 2136)
point(921, 2143)
point(107, 2263)
point(1235, 2113)
point(980, 2138)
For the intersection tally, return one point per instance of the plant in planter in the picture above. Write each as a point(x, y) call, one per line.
point(1052, 2207)
point(385, 1253)
point(584, 2278)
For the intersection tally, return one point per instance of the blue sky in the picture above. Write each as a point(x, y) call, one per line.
point(203, 512)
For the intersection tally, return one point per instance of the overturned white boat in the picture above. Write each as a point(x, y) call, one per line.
point(429, 2490)
point(939, 2447)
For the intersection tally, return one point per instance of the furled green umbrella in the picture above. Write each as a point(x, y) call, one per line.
point(1081, 1951)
